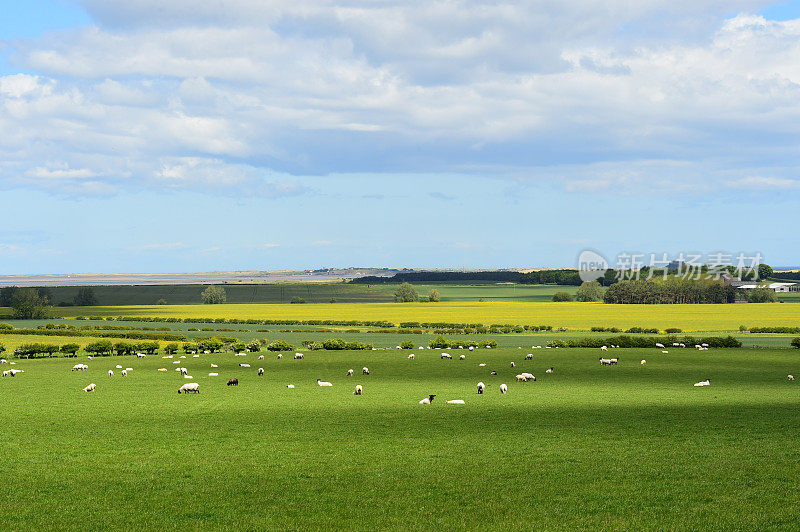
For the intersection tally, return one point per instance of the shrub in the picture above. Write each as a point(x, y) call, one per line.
point(406, 294)
point(238, 347)
point(334, 344)
point(556, 343)
point(162, 301)
point(487, 343)
point(103, 347)
point(6, 326)
point(171, 348)
point(190, 347)
point(672, 330)
point(760, 295)
point(297, 300)
point(438, 343)
point(213, 295)
point(433, 296)
point(254, 346)
point(795, 343)
point(280, 345)
point(407, 344)
point(561, 297)
point(589, 291)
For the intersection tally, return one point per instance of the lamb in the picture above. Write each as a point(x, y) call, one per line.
point(481, 387)
point(280, 357)
point(349, 372)
point(462, 357)
point(129, 369)
point(529, 356)
point(189, 387)
point(183, 371)
point(111, 373)
point(513, 365)
point(124, 372)
point(358, 390)
point(605, 361)
point(791, 377)
point(244, 365)
point(703, 383)
point(297, 356)
point(482, 365)
point(503, 388)
point(90, 388)
point(260, 372)
point(188, 377)
point(455, 402)
point(365, 370)
point(3, 361)
point(643, 362)
point(323, 383)
point(529, 377)
point(411, 356)
point(428, 400)
point(233, 382)
point(80, 367)
point(549, 370)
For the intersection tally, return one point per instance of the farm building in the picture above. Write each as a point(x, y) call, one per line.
point(777, 287)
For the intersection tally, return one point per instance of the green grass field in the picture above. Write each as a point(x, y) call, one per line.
point(588, 446)
point(571, 315)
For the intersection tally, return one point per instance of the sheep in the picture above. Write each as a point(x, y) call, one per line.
point(3, 361)
point(365, 370)
point(604, 348)
point(80, 367)
point(213, 374)
point(614, 360)
point(12, 372)
point(462, 357)
point(183, 371)
point(177, 362)
point(358, 390)
point(111, 373)
point(189, 387)
point(455, 402)
point(195, 356)
point(233, 382)
point(124, 372)
point(118, 366)
point(214, 366)
point(167, 356)
point(521, 378)
point(482, 365)
point(549, 370)
point(513, 365)
point(704, 345)
point(493, 372)
point(323, 383)
point(605, 361)
point(349, 372)
point(643, 362)
point(529, 356)
point(182, 356)
point(790, 377)
point(481, 387)
point(129, 369)
point(298, 356)
point(260, 372)
point(529, 377)
point(445, 356)
point(290, 385)
point(240, 354)
point(6, 373)
point(141, 355)
point(665, 352)
point(675, 344)
point(90, 388)
point(471, 348)
point(188, 377)
point(703, 383)
point(244, 365)
point(280, 357)
point(428, 400)
point(162, 369)
point(660, 346)
point(88, 357)
point(503, 388)
point(261, 357)
point(411, 356)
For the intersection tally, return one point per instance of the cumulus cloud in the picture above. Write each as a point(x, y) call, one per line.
point(249, 96)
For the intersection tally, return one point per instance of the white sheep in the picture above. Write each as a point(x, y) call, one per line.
point(605, 361)
point(195, 356)
point(604, 348)
point(177, 362)
point(141, 355)
point(80, 367)
point(358, 390)
point(549, 370)
point(183, 371)
point(428, 400)
point(365, 370)
point(665, 352)
point(513, 365)
point(290, 385)
point(529, 356)
point(462, 357)
point(297, 356)
point(445, 356)
point(124, 373)
point(189, 387)
point(411, 356)
point(791, 377)
point(503, 388)
point(482, 365)
point(260, 372)
point(212, 374)
point(162, 369)
point(521, 378)
point(481, 387)
point(614, 360)
point(323, 383)
point(214, 366)
point(188, 377)
point(529, 377)
point(660, 346)
point(129, 369)
point(240, 354)
point(703, 383)
point(90, 388)
point(261, 357)
point(89, 357)
point(280, 357)
point(167, 356)
point(244, 365)
point(3, 361)
point(111, 373)
point(350, 372)
point(182, 356)
point(643, 362)
point(118, 366)
point(471, 348)
point(455, 402)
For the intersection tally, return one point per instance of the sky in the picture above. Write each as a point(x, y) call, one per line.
point(151, 136)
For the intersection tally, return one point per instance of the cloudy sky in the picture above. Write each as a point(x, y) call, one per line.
point(152, 136)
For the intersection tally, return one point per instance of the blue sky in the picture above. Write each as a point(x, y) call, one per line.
point(139, 136)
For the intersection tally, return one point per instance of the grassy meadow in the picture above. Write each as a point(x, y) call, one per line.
point(570, 315)
point(626, 446)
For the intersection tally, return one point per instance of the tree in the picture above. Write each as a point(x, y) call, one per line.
point(764, 271)
point(2, 348)
point(433, 296)
point(213, 295)
point(6, 294)
point(406, 294)
point(297, 300)
point(70, 349)
point(28, 304)
point(85, 297)
point(171, 348)
point(589, 291)
point(161, 301)
point(562, 297)
point(407, 344)
point(796, 343)
point(761, 295)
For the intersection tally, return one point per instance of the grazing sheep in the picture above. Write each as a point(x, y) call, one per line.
point(445, 356)
point(244, 365)
point(643, 362)
point(167, 356)
point(365, 370)
point(660, 346)
point(521, 378)
point(503, 388)
point(188, 377)
point(214, 366)
point(195, 356)
point(80, 367)
point(260, 372)
point(290, 385)
point(162, 369)
point(90, 388)
point(189, 387)
point(141, 355)
point(129, 369)
point(703, 383)
point(111, 373)
point(411, 356)
point(177, 362)
point(790, 377)
point(529, 377)
point(183, 371)
point(349, 372)
point(513, 365)
point(182, 356)
point(614, 360)
point(323, 383)
point(455, 402)
point(118, 366)
point(462, 357)
point(529, 356)
point(233, 382)
point(604, 348)
point(665, 352)
point(212, 374)
point(3, 361)
point(605, 361)
point(481, 387)
point(492, 372)
point(428, 400)
point(481, 365)
point(549, 370)
point(358, 390)
point(124, 372)
point(704, 345)
point(261, 357)
point(297, 356)
point(240, 354)
point(471, 348)
point(280, 357)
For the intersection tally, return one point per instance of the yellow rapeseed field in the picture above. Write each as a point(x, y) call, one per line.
point(570, 315)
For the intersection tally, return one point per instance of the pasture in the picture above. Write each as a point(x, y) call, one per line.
point(625, 446)
point(580, 316)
